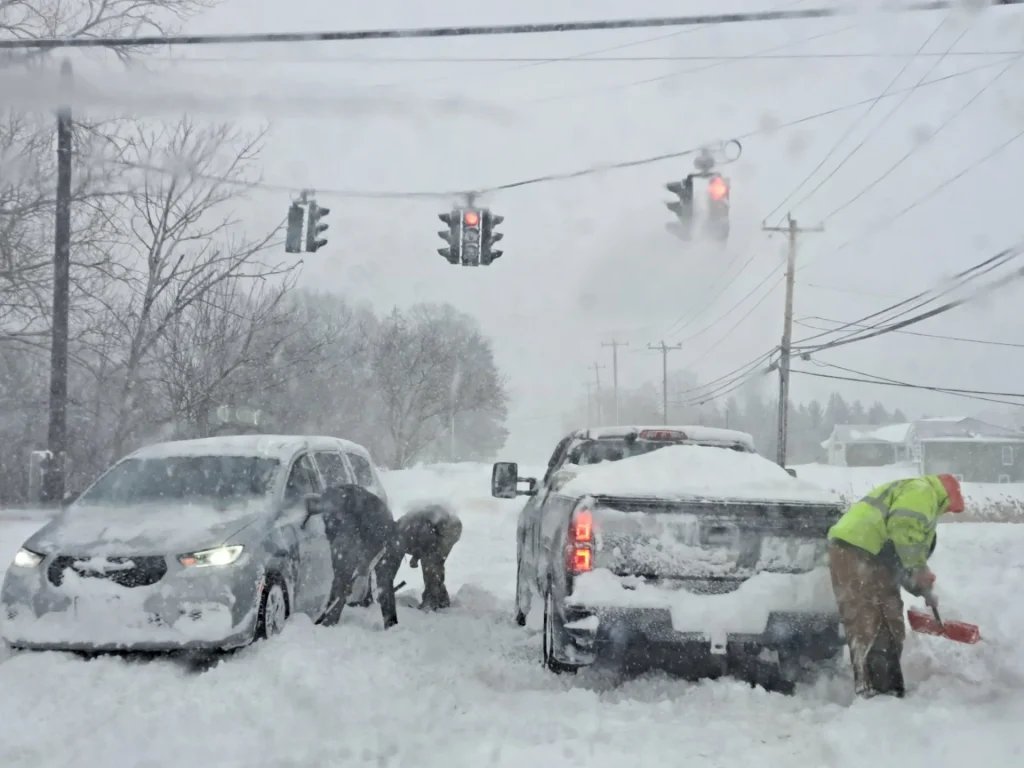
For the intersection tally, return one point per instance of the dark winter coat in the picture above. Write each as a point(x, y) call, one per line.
point(428, 533)
point(363, 537)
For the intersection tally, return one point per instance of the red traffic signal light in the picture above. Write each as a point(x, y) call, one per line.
point(471, 218)
point(718, 189)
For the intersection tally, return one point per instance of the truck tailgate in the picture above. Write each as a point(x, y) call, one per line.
point(709, 541)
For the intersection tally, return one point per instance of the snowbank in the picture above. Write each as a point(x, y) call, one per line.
point(690, 471)
point(986, 502)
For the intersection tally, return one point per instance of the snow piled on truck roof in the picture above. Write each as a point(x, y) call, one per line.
point(694, 471)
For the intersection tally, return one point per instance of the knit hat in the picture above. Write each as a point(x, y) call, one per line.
point(952, 488)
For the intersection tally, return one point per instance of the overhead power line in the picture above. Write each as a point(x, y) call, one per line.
point(958, 279)
point(582, 58)
point(138, 41)
point(849, 131)
point(180, 169)
point(963, 339)
point(970, 394)
point(879, 330)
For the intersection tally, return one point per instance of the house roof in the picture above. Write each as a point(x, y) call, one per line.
point(943, 428)
point(868, 433)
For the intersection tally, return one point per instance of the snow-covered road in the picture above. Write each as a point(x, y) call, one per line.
point(466, 688)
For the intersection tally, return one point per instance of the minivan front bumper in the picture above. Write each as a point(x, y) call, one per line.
point(188, 609)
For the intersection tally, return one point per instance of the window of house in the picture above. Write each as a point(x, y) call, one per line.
point(363, 470)
point(332, 468)
point(1004, 478)
point(1007, 455)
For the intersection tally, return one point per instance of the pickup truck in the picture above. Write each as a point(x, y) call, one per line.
point(677, 548)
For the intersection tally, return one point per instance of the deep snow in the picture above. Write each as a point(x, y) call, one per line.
point(466, 688)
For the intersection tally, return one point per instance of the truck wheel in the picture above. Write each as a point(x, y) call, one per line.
point(520, 613)
point(553, 637)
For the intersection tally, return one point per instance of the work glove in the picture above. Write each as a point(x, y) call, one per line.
point(919, 582)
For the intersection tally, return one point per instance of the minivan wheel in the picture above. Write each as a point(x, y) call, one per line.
point(273, 611)
point(552, 637)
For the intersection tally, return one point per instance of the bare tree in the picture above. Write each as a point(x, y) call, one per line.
point(213, 352)
point(180, 243)
point(429, 367)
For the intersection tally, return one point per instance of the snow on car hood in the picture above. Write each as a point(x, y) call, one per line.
point(138, 529)
point(694, 471)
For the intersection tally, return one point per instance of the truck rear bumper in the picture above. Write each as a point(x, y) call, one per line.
point(640, 639)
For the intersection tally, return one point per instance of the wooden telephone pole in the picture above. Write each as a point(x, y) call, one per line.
point(664, 349)
point(793, 230)
point(57, 436)
point(597, 379)
point(615, 373)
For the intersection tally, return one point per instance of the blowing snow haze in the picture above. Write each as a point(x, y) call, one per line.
point(245, 371)
point(589, 259)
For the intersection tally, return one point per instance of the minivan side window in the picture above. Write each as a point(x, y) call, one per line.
point(332, 468)
point(363, 470)
point(301, 480)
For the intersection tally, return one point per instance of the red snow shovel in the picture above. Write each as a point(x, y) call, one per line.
point(957, 631)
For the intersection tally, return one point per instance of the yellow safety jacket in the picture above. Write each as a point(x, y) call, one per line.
point(903, 513)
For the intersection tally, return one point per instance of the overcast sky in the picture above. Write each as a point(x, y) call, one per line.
point(589, 259)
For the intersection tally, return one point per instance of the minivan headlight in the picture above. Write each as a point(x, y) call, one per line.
point(26, 558)
point(211, 557)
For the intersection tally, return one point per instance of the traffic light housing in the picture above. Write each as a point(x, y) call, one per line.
point(487, 252)
point(470, 241)
point(450, 236)
point(314, 227)
point(718, 207)
point(683, 208)
point(293, 232)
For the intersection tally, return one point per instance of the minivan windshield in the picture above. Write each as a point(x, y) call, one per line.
point(220, 479)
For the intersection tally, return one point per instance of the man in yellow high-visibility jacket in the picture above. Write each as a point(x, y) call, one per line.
point(882, 543)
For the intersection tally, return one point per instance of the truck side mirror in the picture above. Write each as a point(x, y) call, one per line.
point(505, 481)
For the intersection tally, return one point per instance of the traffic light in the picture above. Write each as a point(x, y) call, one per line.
point(314, 227)
point(718, 207)
point(450, 236)
point(683, 209)
point(293, 233)
point(490, 237)
point(470, 240)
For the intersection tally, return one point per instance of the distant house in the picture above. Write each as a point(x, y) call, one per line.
point(971, 449)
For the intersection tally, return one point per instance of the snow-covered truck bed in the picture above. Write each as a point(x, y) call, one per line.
point(696, 557)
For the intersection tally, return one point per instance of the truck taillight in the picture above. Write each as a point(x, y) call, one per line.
point(579, 551)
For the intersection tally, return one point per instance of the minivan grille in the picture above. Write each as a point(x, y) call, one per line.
point(144, 571)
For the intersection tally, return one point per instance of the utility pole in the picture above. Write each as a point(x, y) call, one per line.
point(793, 230)
point(664, 374)
point(57, 436)
point(615, 373)
point(597, 378)
point(590, 415)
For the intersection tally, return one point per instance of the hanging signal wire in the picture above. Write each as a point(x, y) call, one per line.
point(138, 41)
